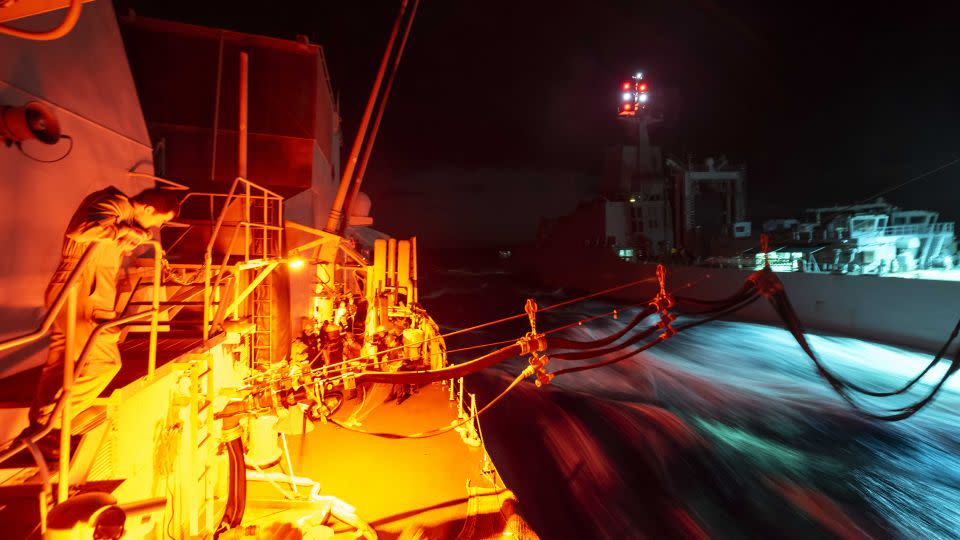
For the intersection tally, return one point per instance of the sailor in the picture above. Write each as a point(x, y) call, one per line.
point(351, 314)
point(112, 225)
point(311, 338)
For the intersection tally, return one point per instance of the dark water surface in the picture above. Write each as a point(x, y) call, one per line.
point(724, 431)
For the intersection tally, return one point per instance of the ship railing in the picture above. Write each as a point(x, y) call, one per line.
point(908, 229)
point(67, 297)
point(262, 239)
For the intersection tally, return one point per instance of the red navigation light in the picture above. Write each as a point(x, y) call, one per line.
point(626, 107)
point(643, 87)
point(626, 86)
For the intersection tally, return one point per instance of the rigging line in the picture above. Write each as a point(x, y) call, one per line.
point(510, 318)
point(589, 319)
point(898, 186)
point(643, 335)
point(626, 285)
point(910, 181)
point(548, 308)
point(492, 344)
point(580, 322)
point(741, 303)
point(216, 108)
point(660, 339)
point(439, 431)
point(462, 349)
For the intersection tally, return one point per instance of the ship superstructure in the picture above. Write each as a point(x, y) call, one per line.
point(651, 208)
point(874, 238)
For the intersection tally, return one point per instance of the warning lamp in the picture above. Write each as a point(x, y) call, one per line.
point(642, 87)
point(31, 121)
point(626, 86)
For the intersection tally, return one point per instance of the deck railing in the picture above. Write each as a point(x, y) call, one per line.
point(68, 296)
point(269, 221)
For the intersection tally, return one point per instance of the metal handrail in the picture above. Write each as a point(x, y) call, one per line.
point(250, 192)
point(67, 294)
point(246, 223)
point(61, 408)
point(54, 309)
point(230, 196)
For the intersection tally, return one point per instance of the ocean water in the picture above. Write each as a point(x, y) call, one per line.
point(724, 431)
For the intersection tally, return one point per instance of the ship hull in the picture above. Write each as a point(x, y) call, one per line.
point(916, 313)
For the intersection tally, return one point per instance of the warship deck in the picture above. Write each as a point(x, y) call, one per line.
point(435, 484)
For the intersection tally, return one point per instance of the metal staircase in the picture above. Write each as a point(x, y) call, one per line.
point(240, 233)
point(205, 280)
point(266, 245)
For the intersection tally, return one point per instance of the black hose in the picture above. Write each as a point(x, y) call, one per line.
point(740, 301)
point(742, 304)
point(583, 355)
point(843, 388)
point(237, 499)
point(611, 361)
point(237, 495)
point(561, 343)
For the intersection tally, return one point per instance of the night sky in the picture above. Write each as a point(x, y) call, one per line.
point(502, 109)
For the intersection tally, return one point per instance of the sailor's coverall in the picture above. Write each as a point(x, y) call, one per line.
point(105, 223)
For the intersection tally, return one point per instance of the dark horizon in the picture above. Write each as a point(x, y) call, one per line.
point(500, 113)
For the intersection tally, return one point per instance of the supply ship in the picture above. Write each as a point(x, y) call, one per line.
point(840, 262)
